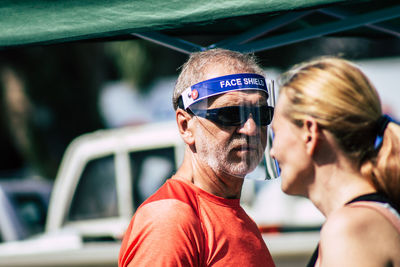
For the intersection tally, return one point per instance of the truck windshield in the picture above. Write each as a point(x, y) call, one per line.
point(96, 193)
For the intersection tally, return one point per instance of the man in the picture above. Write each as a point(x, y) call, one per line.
point(195, 218)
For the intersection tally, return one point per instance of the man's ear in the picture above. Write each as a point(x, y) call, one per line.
point(184, 121)
point(311, 134)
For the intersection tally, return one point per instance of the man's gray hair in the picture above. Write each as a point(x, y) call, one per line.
point(195, 69)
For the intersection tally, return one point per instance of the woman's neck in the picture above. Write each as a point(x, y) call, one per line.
point(334, 186)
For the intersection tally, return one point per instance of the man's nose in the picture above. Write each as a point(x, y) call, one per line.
point(249, 127)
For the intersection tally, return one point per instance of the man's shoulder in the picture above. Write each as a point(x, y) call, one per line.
point(166, 226)
point(173, 199)
point(161, 211)
point(174, 189)
point(166, 215)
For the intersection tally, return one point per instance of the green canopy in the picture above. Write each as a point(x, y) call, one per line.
point(250, 25)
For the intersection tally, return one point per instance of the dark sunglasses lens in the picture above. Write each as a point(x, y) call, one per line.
point(233, 116)
point(237, 115)
point(229, 116)
point(262, 116)
point(266, 114)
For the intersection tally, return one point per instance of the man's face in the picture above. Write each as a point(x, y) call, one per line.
point(232, 150)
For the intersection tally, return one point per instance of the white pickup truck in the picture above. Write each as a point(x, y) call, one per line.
point(103, 177)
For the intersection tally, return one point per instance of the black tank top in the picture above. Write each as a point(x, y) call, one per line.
point(376, 197)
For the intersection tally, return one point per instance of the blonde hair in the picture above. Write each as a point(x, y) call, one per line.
point(196, 67)
point(341, 98)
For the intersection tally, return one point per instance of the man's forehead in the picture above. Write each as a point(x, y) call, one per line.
point(212, 71)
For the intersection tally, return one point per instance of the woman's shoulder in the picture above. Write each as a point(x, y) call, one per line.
point(361, 233)
point(344, 224)
point(351, 220)
point(359, 217)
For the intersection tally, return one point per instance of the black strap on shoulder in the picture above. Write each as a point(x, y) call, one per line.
point(314, 257)
point(375, 197)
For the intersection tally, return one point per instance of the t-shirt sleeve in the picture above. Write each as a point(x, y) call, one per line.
point(163, 233)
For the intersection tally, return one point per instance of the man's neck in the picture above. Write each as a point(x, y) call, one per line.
point(224, 185)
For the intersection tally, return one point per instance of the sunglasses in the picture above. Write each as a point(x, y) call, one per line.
point(236, 115)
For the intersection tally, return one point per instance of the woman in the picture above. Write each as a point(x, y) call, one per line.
point(335, 147)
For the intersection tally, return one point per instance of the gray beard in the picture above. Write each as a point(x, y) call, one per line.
point(215, 155)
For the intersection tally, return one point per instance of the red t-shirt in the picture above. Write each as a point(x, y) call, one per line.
point(182, 225)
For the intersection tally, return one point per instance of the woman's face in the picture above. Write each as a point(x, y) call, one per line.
point(289, 149)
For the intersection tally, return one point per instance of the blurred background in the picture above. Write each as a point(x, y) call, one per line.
point(69, 96)
point(51, 94)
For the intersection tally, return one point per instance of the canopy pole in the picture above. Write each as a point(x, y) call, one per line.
point(316, 31)
point(252, 34)
point(341, 14)
point(170, 42)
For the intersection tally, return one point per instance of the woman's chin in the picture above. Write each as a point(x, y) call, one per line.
point(287, 188)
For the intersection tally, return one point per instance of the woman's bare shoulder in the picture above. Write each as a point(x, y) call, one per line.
point(358, 235)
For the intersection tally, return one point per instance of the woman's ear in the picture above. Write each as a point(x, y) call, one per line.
point(311, 134)
point(184, 121)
